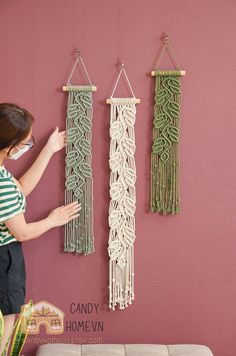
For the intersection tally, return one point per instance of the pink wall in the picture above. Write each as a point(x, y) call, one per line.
point(185, 265)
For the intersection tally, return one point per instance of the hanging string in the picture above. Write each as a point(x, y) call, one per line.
point(167, 46)
point(79, 58)
point(122, 70)
point(86, 72)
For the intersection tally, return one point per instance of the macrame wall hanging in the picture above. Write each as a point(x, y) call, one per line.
point(165, 148)
point(122, 197)
point(79, 234)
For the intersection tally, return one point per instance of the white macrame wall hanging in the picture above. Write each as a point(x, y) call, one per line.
point(79, 234)
point(122, 198)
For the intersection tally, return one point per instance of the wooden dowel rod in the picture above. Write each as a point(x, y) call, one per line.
point(78, 87)
point(153, 73)
point(111, 101)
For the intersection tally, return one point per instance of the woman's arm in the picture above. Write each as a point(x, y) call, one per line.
point(31, 177)
point(23, 231)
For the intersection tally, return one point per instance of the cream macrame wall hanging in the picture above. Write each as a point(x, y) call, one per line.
point(79, 234)
point(122, 198)
point(165, 148)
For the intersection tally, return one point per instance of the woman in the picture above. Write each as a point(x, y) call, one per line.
point(15, 139)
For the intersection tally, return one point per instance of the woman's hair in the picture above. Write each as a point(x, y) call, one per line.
point(15, 125)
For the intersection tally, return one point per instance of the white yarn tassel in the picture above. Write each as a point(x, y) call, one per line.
point(123, 202)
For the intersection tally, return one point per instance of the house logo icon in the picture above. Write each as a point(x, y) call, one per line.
point(47, 314)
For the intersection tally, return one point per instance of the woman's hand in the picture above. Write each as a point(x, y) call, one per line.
point(56, 141)
point(63, 214)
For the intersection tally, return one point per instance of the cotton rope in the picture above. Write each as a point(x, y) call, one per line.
point(79, 232)
point(122, 203)
point(165, 157)
point(122, 200)
point(165, 148)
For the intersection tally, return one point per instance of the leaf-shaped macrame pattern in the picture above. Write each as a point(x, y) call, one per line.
point(84, 99)
point(85, 169)
point(116, 161)
point(173, 109)
point(84, 146)
point(129, 115)
point(159, 145)
point(161, 96)
point(85, 123)
point(71, 158)
point(129, 206)
point(71, 182)
point(116, 191)
point(116, 131)
point(130, 176)
point(129, 235)
point(160, 121)
point(173, 133)
point(129, 146)
point(114, 249)
point(72, 134)
point(115, 219)
point(173, 84)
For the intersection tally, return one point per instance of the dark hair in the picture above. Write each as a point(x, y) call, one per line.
point(15, 125)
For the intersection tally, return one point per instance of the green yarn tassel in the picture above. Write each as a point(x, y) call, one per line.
point(165, 147)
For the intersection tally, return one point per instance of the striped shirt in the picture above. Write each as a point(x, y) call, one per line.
point(12, 202)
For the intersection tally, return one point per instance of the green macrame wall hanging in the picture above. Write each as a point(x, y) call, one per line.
point(165, 148)
point(79, 234)
point(122, 198)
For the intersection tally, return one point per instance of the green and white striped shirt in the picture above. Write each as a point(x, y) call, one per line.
point(12, 202)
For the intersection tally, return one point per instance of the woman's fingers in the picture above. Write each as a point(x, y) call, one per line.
point(65, 213)
point(74, 210)
point(71, 205)
point(74, 216)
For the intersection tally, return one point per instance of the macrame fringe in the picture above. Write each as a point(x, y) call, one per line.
point(79, 235)
point(123, 202)
point(165, 148)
